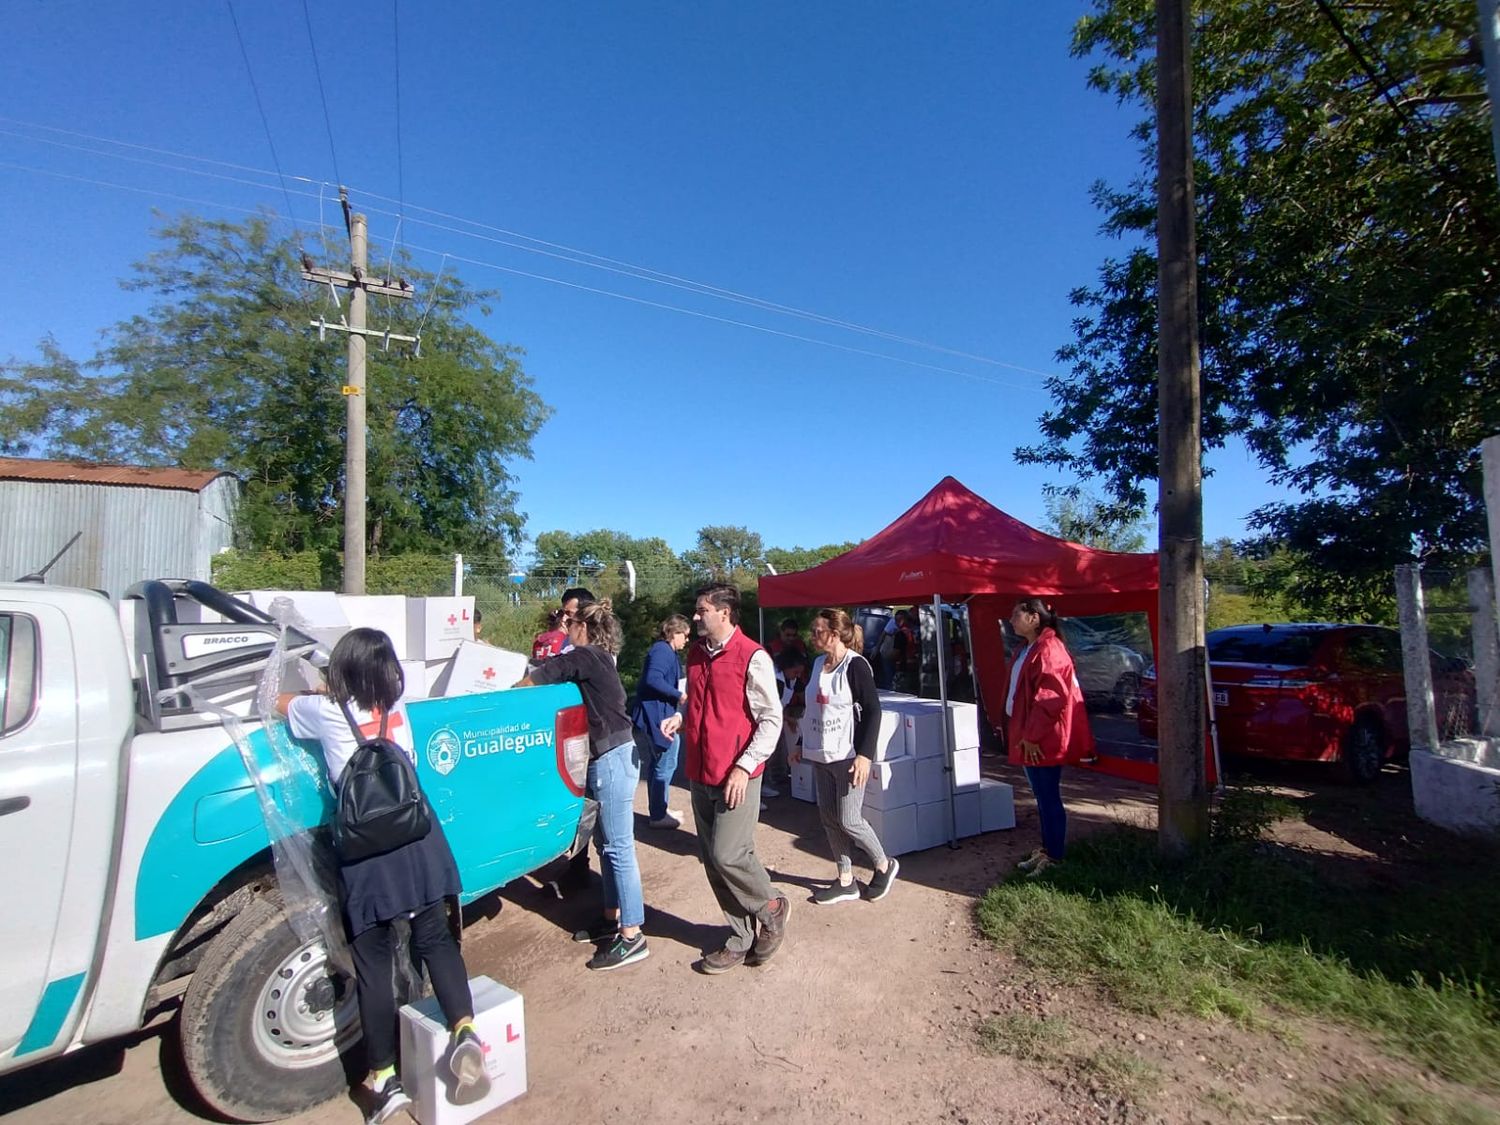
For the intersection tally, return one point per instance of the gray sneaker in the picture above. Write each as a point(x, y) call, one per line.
point(880, 882)
point(466, 1063)
point(621, 951)
point(836, 892)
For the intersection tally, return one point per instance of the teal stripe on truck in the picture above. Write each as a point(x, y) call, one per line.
point(51, 1014)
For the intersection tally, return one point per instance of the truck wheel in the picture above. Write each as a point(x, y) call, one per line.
point(267, 1021)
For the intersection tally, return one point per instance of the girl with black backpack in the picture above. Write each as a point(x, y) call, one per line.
point(413, 880)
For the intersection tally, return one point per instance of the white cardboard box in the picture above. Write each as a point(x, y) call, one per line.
point(930, 780)
point(896, 828)
point(923, 722)
point(997, 805)
point(500, 1019)
point(966, 768)
point(386, 612)
point(435, 627)
point(965, 725)
point(415, 673)
point(890, 740)
point(892, 784)
point(480, 667)
point(932, 819)
point(802, 782)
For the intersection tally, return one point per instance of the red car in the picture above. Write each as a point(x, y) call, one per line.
point(1323, 693)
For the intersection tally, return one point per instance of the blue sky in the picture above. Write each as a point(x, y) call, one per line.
point(918, 170)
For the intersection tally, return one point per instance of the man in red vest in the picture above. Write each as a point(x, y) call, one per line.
point(730, 725)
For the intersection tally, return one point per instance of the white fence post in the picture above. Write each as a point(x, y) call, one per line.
point(458, 576)
point(1486, 652)
point(1416, 661)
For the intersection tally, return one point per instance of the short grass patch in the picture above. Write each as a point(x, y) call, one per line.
point(1120, 1073)
point(1035, 1039)
point(1372, 1102)
point(1245, 928)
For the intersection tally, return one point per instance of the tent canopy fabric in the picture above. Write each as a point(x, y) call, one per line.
point(956, 544)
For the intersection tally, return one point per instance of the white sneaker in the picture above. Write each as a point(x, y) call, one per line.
point(673, 819)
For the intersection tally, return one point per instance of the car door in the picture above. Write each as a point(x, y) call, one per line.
point(38, 762)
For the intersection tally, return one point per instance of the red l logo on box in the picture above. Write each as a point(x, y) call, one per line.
point(510, 1034)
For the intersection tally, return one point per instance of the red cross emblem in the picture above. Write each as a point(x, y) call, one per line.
point(489, 673)
point(372, 728)
point(452, 620)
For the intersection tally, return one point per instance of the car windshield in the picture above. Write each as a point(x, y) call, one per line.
point(1262, 646)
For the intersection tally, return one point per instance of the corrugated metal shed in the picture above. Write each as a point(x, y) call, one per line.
point(136, 522)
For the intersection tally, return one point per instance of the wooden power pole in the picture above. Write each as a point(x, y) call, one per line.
point(1182, 798)
point(359, 286)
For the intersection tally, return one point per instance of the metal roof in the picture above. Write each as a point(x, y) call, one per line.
point(85, 472)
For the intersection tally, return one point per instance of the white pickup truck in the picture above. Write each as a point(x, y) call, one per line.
point(135, 864)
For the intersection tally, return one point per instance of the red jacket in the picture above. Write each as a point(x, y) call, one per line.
point(717, 724)
point(1048, 707)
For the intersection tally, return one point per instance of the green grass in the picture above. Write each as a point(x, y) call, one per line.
point(1367, 1102)
point(1120, 1073)
point(1245, 930)
point(1036, 1039)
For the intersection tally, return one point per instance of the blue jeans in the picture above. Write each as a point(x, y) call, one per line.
point(658, 765)
point(612, 779)
point(1046, 786)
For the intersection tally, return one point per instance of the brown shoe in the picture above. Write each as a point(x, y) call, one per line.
point(722, 960)
point(772, 932)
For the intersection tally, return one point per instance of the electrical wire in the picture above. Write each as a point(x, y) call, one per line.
point(560, 252)
point(730, 321)
point(264, 120)
point(318, 73)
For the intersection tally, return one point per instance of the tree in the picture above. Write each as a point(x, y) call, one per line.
point(727, 554)
point(1078, 517)
point(789, 560)
point(565, 558)
point(1347, 224)
point(223, 372)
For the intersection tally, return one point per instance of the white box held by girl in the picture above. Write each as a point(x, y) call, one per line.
point(500, 1020)
point(480, 667)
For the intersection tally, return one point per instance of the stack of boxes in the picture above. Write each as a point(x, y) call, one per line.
point(433, 637)
point(906, 799)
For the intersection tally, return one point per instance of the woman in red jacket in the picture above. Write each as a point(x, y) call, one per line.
point(1047, 725)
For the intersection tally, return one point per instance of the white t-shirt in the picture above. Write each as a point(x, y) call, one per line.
point(1015, 678)
point(827, 725)
point(317, 716)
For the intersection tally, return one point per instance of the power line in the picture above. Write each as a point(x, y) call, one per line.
point(728, 320)
point(265, 121)
point(577, 256)
point(400, 161)
point(318, 72)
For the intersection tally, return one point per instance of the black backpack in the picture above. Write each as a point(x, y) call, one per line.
point(380, 803)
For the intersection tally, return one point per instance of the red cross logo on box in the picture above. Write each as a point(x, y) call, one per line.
point(452, 620)
point(489, 673)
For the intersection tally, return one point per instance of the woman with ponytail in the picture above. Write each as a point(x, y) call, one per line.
point(1047, 726)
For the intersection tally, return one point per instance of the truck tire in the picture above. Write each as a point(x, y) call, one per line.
point(267, 1023)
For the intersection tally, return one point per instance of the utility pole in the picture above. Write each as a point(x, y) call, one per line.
point(1182, 795)
point(359, 286)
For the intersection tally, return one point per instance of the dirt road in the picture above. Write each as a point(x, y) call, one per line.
point(868, 1013)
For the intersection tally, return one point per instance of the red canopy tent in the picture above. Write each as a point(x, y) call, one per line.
point(955, 545)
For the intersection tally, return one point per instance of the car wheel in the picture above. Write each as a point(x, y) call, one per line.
point(1364, 752)
point(1127, 693)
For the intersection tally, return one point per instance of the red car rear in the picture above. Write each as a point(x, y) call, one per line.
point(1325, 693)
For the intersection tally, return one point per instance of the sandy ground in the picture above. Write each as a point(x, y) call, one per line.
point(870, 1012)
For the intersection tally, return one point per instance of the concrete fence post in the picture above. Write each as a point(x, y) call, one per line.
point(1416, 662)
point(1486, 651)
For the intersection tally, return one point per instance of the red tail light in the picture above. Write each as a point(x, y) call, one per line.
point(572, 740)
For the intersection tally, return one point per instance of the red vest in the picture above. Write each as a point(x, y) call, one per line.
point(717, 725)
